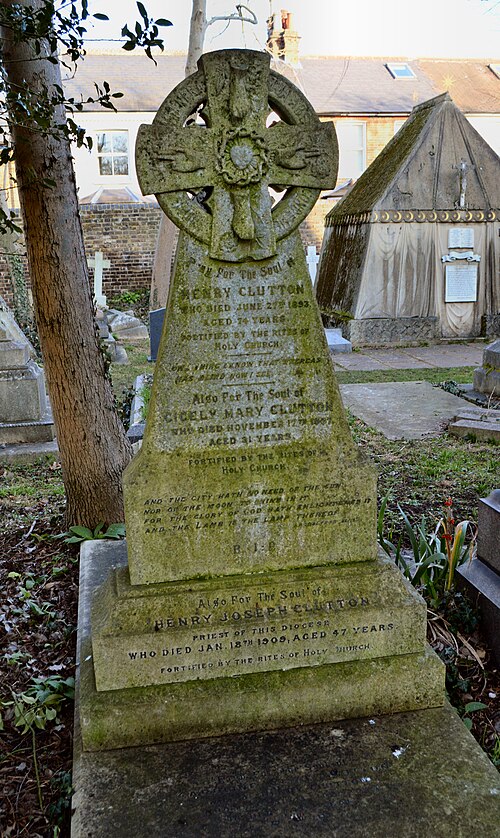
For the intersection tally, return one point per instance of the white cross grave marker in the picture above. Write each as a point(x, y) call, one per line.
point(98, 263)
point(312, 260)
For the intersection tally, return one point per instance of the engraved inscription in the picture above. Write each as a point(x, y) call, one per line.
point(307, 623)
point(307, 505)
point(461, 283)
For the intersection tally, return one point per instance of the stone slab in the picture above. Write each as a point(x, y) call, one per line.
point(248, 463)
point(336, 343)
point(437, 355)
point(449, 355)
point(402, 410)
point(487, 381)
point(476, 430)
point(260, 700)
point(488, 531)
point(491, 356)
point(12, 330)
point(357, 361)
point(22, 395)
point(398, 359)
point(28, 452)
point(13, 354)
point(417, 775)
point(483, 587)
point(156, 319)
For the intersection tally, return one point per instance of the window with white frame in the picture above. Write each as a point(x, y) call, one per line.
point(400, 70)
point(112, 153)
point(352, 148)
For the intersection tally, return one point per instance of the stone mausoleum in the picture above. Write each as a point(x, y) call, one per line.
point(412, 252)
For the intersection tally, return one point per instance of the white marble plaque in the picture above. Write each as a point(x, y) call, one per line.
point(461, 283)
point(461, 237)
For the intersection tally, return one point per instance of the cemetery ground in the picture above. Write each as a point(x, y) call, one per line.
point(39, 591)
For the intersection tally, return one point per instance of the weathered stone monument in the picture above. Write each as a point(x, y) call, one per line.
point(25, 414)
point(250, 594)
point(411, 253)
point(481, 576)
point(487, 377)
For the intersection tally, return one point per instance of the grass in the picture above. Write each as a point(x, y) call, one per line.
point(421, 474)
point(462, 375)
point(124, 375)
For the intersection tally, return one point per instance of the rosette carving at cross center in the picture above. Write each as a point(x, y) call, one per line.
point(243, 157)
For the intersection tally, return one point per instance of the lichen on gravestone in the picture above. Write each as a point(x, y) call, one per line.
point(247, 463)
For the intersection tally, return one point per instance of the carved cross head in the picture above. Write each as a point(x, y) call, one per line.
point(217, 166)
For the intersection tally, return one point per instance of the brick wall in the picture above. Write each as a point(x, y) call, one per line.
point(126, 235)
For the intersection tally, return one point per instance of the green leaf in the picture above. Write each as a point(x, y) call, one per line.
point(100, 16)
point(473, 706)
point(129, 46)
point(83, 532)
point(467, 723)
point(115, 531)
point(162, 22)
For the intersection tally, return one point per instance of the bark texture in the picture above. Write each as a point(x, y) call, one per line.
point(93, 446)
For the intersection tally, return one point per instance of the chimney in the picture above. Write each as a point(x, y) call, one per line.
point(283, 43)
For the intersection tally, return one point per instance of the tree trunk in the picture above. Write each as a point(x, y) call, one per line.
point(92, 442)
point(162, 266)
point(197, 29)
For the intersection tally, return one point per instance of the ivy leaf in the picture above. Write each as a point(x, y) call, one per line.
point(143, 13)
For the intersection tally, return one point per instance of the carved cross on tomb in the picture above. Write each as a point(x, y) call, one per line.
point(230, 162)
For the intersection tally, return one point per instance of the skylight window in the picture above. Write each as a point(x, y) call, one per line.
point(400, 71)
point(495, 68)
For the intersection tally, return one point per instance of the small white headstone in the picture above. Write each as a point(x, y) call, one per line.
point(312, 260)
point(98, 263)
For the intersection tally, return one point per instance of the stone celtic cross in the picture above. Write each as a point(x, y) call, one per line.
point(229, 162)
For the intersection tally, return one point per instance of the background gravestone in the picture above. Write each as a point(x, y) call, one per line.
point(487, 377)
point(250, 513)
point(25, 414)
point(481, 576)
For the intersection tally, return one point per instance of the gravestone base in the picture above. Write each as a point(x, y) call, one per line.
point(395, 331)
point(13, 433)
point(392, 673)
point(418, 775)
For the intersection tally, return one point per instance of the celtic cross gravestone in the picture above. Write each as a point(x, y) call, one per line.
point(252, 595)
